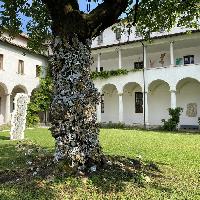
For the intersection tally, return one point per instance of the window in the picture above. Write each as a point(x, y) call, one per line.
point(138, 65)
point(138, 102)
point(162, 30)
point(21, 67)
point(118, 34)
point(101, 69)
point(100, 38)
point(137, 34)
point(102, 103)
point(1, 61)
point(188, 59)
point(38, 71)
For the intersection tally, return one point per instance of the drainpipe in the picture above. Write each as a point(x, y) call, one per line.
point(144, 84)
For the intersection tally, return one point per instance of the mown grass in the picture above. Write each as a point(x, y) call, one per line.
point(176, 155)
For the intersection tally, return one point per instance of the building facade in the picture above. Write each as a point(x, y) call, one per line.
point(19, 72)
point(161, 74)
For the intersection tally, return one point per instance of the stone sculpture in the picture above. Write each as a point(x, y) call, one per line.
point(191, 110)
point(18, 120)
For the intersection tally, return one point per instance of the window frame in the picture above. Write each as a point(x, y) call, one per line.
point(139, 65)
point(21, 67)
point(118, 35)
point(102, 104)
point(139, 102)
point(100, 38)
point(1, 62)
point(190, 59)
point(38, 71)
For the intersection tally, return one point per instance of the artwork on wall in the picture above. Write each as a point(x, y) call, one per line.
point(152, 62)
point(191, 110)
point(179, 61)
point(162, 56)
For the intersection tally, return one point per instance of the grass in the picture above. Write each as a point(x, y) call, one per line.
point(176, 155)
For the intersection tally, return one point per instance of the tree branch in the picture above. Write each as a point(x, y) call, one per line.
point(136, 11)
point(105, 15)
point(61, 7)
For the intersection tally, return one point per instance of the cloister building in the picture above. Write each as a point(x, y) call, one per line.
point(161, 74)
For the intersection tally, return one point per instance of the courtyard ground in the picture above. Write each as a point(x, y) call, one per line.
point(144, 165)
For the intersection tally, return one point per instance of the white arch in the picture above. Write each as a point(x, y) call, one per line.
point(134, 83)
point(21, 87)
point(107, 85)
point(4, 87)
point(156, 81)
point(185, 79)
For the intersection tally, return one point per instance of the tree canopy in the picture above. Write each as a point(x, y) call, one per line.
point(47, 15)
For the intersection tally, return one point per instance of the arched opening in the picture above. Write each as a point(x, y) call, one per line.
point(132, 103)
point(158, 101)
point(188, 98)
point(3, 91)
point(109, 104)
point(16, 89)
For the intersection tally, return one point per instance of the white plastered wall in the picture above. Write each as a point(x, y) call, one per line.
point(2, 105)
point(158, 103)
point(188, 93)
point(111, 104)
point(129, 115)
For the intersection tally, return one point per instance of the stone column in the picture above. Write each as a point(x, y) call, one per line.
point(173, 99)
point(99, 112)
point(7, 108)
point(121, 107)
point(98, 62)
point(120, 58)
point(145, 108)
point(172, 53)
point(145, 56)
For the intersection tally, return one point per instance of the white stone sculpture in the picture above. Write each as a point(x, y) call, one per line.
point(191, 110)
point(18, 120)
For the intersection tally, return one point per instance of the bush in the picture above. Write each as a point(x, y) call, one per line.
point(40, 100)
point(172, 123)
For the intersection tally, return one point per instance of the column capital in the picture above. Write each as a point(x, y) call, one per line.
point(7, 94)
point(173, 91)
point(120, 93)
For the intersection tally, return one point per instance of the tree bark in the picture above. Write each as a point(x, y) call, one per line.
point(73, 110)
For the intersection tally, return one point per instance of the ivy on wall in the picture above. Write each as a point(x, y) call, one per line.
point(108, 74)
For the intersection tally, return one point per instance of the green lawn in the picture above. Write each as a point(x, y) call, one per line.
point(176, 155)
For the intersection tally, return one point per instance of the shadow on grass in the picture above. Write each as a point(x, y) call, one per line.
point(113, 176)
point(4, 137)
point(123, 170)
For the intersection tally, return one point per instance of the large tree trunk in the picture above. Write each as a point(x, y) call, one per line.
point(73, 109)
